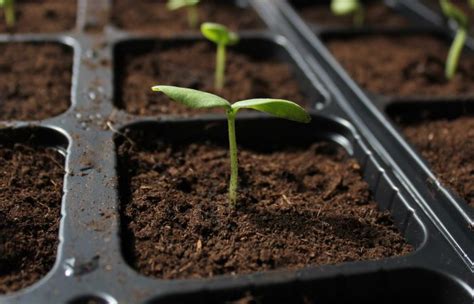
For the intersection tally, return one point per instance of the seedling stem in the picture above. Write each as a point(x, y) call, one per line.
point(455, 51)
point(9, 11)
point(191, 7)
point(193, 16)
point(234, 163)
point(359, 16)
point(220, 67)
point(222, 37)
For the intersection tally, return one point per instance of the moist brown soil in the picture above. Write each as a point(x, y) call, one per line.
point(403, 66)
point(377, 14)
point(297, 207)
point(30, 205)
point(192, 66)
point(35, 80)
point(153, 16)
point(448, 145)
point(33, 16)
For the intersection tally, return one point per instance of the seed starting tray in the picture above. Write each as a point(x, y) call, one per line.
point(90, 267)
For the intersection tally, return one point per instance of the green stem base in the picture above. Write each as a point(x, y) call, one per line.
point(234, 166)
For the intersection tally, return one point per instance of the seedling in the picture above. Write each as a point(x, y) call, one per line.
point(190, 5)
point(347, 7)
point(471, 3)
point(202, 100)
point(221, 36)
point(9, 11)
point(461, 20)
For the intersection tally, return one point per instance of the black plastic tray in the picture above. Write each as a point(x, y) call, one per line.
point(90, 267)
point(450, 214)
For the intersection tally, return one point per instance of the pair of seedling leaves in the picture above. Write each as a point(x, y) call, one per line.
point(201, 100)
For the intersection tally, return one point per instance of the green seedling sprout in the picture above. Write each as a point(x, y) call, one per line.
point(461, 20)
point(202, 100)
point(9, 11)
point(221, 36)
point(471, 3)
point(346, 7)
point(190, 5)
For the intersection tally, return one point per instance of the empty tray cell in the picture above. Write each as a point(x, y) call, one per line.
point(36, 16)
point(270, 72)
point(153, 16)
point(35, 80)
point(444, 135)
point(302, 201)
point(410, 65)
point(376, 14)
point(31, 187)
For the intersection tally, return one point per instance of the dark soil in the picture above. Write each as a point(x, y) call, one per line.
point(35, 80)
point(448, 145)
point(297, 207)
point(33, 16)
point(377, 14)
point(153, 16)
point(403, 66)
point(30, 204)
point(192, 66)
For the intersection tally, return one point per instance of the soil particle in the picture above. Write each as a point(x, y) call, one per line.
point(377, 14)
point(192, 66)
point(30, 203)
point(33, 16)
point(406, 65)
point(297, 207)
point(35, 80)
point(448, 145)
point(153, 16)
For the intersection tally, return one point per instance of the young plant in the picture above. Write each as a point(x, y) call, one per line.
point(221, 36)
point(9, 11)
point(471, 3)
point(461, 20)
point(346, 7)
point(190, 5)
point(202, 100)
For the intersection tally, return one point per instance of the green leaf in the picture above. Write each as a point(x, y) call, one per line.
point(454, 13)
point(177, 4)
point(219, 34)
point(344, 7)
point(276, 107)
point(193, 98)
